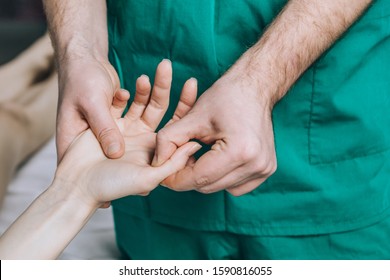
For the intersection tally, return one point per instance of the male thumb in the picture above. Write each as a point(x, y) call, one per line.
point(174, 135)
point(106, 131)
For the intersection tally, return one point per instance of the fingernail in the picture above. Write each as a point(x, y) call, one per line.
point(144, 76)
point(166, 59)
point(195, 148)
point(125, 91)
point(113, 149)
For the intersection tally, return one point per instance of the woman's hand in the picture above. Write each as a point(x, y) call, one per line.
point(95, 178)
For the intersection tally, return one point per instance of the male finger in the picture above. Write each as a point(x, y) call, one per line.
point(175, 135)
point(211, 167)
point(178, 160)
point(240, 176)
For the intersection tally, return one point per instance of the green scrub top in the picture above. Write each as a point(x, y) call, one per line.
point(332, 129)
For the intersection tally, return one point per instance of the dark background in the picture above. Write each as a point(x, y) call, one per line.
point(21, 23)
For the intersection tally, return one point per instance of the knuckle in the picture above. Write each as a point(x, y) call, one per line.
point(260, 165)
point(271, 165)
point(201, 181)
point(163, 83)
point(265, 166)
point(163, 136)
point(273, 168)
point(89, 103)
point(105, 133)
point(245, 154)
point(158, 105)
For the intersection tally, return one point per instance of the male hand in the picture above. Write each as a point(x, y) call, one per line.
point(86, 88)
point(235, 118)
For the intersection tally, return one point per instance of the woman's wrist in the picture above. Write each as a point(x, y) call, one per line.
point(70, 195)
point(48, 224)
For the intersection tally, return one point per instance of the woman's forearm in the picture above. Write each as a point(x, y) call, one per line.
point(48, 225)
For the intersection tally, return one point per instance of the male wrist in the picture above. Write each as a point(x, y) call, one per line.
point(77, 48)
point(252, 77)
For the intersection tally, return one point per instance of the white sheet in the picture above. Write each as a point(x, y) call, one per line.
point(95, 241)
